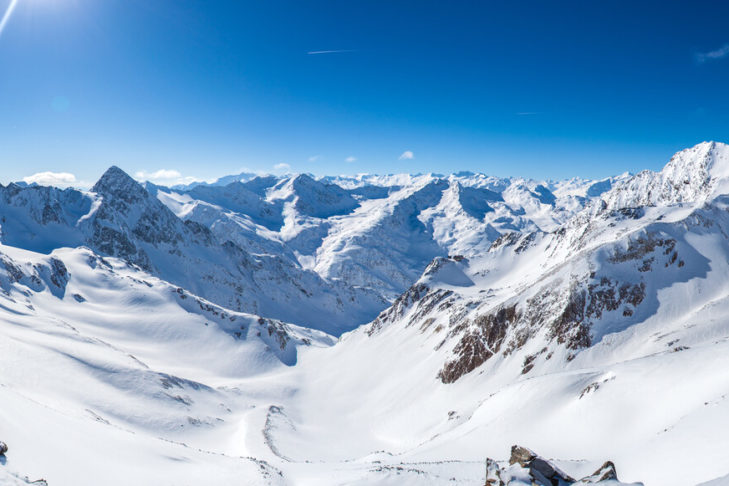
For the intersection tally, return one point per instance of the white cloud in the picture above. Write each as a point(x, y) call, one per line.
point(166, 177)
point(314, 158)
point(719, 53)
point(350, 159)
point(162, 174)
point(59, 179)
point(407, 155)
point(282, 166)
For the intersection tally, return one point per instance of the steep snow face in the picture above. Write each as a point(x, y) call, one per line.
point(383, 244)
point(693, 175)
point(317, 199)
point(236, 197)
point(42, 218)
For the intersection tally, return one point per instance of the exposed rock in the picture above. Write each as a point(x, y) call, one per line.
point(493, 473)
point(479, 344)
point(413, 295)
point(528, 364)
point(526, 467)
point(521, 455)
point(546, 473)
point(606, 472)
point(3, 448)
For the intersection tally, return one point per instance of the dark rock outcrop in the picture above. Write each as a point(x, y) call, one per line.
point(525, 464)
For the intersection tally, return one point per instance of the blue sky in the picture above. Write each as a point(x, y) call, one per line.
point(208, 88)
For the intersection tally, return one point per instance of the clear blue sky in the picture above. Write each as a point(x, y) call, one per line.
point(208, 88)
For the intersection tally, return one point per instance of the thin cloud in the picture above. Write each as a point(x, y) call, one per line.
point(314, 158)
point(407, 155)
point(166, 177)
point(282, 166)
point(527, 113)
point(719, 53)
point(158, 175)
point(58, 179)
point(333, 51)
point(350, 159)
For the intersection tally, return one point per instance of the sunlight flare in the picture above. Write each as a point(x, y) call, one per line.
point(7, 15)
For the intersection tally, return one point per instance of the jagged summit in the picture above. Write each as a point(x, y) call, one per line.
point(118, 183)
point(693, 175)
point(111, 174)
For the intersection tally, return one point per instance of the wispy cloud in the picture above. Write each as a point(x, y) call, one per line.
point(719, 53)
point(527, 113)
point(58, 179)
point(332, 51)
point(350, 159)
point(314, 158)
point(165, 177)
point(158, 175)
point(407, 155)
point(282, 166)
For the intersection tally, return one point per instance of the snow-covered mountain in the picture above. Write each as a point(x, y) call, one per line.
point(377, 234)
point(120, 218)
point(188, 335)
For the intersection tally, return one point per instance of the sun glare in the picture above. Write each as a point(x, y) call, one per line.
point(7, 14)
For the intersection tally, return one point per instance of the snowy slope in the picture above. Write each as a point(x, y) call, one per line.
point(106, 371)
point(609, 333)
point(586, 320)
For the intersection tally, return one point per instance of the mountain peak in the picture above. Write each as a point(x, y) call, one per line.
point(114, 172)
point(702, 170)
point(118, 183)
point(693, 175)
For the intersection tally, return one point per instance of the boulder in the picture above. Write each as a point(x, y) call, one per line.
point(606, 472)
point(521, 455)
point(493, 473)
point(527, 467)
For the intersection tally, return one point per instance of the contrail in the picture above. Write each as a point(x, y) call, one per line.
point(334, 51)
point(7, 15)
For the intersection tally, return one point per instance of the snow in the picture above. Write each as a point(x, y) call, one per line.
point(122, 369)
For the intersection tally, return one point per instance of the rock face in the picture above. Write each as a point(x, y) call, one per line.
point(526, 467)
point(3, 448)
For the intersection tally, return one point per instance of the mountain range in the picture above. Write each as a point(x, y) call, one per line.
point(393, 329)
